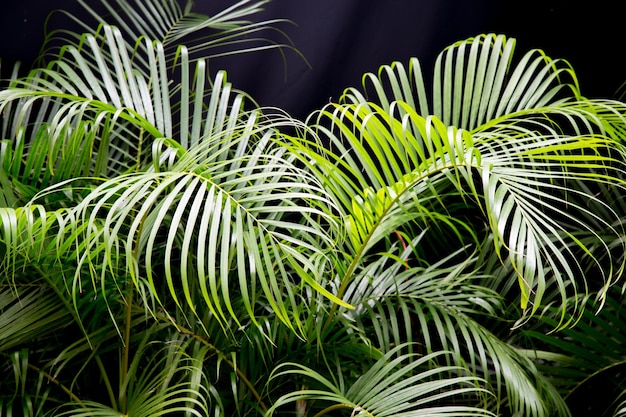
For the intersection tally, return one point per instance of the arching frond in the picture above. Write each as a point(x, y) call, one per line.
point(173, 23)
point(537, 176)
point(476, 81)
point(94, 107)
point(444, 307)
point(25, 316)
point(585, 357)
point(233, 214)
point(398, 384)
point(162, 379)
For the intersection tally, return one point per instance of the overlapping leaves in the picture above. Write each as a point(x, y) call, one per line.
point(232, 202)
point(501, 158)
point(130, 177)
point(398, 384)
point(520, 149)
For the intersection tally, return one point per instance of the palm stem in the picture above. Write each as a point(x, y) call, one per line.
point(56, 382)
point(334, 407)
point(126, 351)
point(107, 383)
point(230, 363)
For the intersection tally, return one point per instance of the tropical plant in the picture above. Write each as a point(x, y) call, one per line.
point(168, 248)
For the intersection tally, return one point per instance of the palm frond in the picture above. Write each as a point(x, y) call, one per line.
point(161, 380)
point(579, 357)
point(536, 180)
point(173, 23)
point(96, 106)
point(621, 408)
point(444, 307)
point(473, 83)
point(396, 385)
point(246, 207)
point(27, 316)
point(81, 109)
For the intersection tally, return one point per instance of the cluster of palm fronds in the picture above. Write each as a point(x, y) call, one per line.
point(168, 248)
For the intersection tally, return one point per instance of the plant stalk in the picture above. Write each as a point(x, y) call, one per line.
point(126, 348)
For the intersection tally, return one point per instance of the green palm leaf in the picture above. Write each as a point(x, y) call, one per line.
point(444, 307)
point(583, 358)
point(211, 225)
point(160, 381)
point(27, 316)
point(227, 32)
point(534, 180)
point(244, 213)
point(87, 112)
point(474, 83)
point(96, 105)
point(396, 385)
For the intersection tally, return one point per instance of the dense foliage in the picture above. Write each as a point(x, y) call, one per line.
point(452, 247)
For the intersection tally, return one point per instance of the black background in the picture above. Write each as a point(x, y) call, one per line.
point(342, 39)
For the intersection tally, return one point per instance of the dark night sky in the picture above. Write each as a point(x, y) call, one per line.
point(342, 39)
